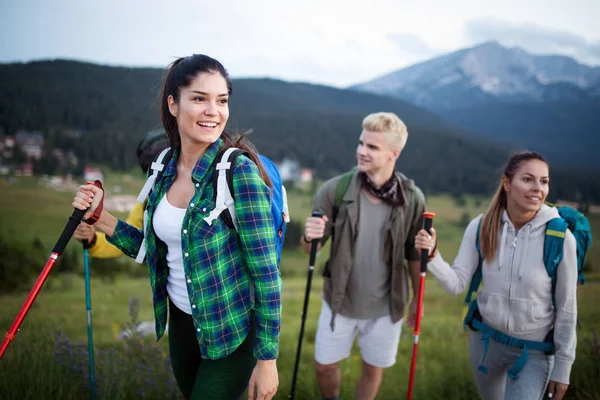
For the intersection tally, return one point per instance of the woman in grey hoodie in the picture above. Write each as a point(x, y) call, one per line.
point(514, 312)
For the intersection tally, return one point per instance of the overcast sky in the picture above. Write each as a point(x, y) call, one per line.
point(336, 43)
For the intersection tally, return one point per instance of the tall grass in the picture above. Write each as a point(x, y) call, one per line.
point(48, 359)
point(46, 364)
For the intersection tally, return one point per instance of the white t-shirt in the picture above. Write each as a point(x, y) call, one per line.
point(167, 224)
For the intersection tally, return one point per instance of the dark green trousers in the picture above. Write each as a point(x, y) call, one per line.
point(197, 378)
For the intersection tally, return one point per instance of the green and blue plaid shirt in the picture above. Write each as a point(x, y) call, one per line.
point(219, 266)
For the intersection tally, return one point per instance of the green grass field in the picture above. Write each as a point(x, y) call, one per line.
point(42, 364)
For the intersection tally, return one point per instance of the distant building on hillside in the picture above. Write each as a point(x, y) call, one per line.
point(289, 170)
point(91, 174)
point(25, 170)
point(31, 143)
point(7, 144)
point(306, 175)
point(59, 155)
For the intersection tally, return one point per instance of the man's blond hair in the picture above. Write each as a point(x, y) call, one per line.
point(388, 123)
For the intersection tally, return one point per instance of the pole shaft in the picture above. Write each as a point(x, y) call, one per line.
point(88, 307)
point(66, 234)
point(416, 335)
point(10, 335)
point(427, 224)
point(311, 266)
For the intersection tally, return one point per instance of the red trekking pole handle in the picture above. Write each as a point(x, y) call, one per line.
point(427, 224)
point(72, 224)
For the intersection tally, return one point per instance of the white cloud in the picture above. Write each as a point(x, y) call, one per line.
point(534, 38)
point(335, 42)
point(410, 44)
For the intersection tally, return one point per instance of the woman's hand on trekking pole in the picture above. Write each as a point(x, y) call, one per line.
point(556, 390)
point(264, 380)
point(88, 198)
point(85, 232)
point(424, 240)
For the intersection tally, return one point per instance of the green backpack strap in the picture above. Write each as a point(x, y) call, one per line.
point(340, 191)
point(416, 199)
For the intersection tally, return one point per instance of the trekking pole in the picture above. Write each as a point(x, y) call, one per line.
point(424, 259)
point(70, 227)
point(88, 307)
point(311, 267)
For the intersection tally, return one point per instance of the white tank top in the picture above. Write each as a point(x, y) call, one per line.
point(167, 222)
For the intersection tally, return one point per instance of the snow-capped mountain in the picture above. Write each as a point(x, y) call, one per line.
point(488, 72)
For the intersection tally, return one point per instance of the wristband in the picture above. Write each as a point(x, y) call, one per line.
point(98, 211)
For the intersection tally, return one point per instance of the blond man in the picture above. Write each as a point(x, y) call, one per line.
point(372, 215)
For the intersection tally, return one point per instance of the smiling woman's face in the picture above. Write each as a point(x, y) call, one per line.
point(203, 109)
point(529, 187)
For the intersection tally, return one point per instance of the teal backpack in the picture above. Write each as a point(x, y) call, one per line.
point(556, 228)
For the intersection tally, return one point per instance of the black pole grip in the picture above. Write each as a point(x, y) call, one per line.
point(427, 224)
point(315, 242)
point(72, 224)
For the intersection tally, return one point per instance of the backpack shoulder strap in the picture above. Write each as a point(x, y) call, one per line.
point(223, 187)
point(416, 191)
point(157, 167)
point(553, 244)
point(340, 190)
point(478, 275)
point(553, 249)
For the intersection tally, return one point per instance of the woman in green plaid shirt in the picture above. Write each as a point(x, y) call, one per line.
point(222, 288)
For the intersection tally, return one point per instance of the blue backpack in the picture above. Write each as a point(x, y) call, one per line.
point(223, 188)
point(556, 228)
point(225, 202)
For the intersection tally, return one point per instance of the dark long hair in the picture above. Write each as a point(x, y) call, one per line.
point(240, 140)
point(492, 218)
point(179, 75)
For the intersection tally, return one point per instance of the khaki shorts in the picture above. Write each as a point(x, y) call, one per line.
point(378, 339)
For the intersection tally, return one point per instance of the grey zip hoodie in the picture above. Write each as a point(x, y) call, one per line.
point(516, 297)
